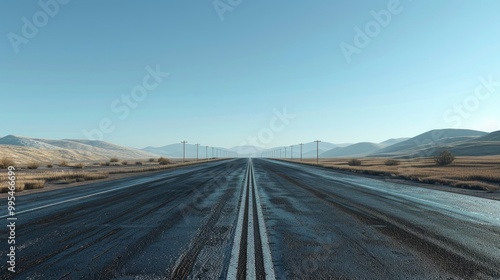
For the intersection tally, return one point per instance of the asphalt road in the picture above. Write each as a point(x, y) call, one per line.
point(258, 219)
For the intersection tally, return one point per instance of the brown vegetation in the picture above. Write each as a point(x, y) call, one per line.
point(32, 165)
point(34, 179)
point(444, 158)
point(391, 162)
point(6, 162)
point(354, 162)
point(482, 173)
point(78, 165)
point(37, 180)
point(164, 161)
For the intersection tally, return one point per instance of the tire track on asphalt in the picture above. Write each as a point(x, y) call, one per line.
point(250, 256)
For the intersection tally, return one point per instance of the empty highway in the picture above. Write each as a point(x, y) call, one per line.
point(253, 219)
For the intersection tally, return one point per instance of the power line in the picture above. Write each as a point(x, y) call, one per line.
point(317, 151)
point(197, 146)
point(301, 151)
point(183, 150)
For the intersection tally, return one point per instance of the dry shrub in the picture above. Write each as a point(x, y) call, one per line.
point(34, 184)
point(50, 165)
point(5, 188)
point(32, 165)
point(391, 162)
point(78, 166)
point(444, 158)
point(138, 163)
point(72, 176)
point(124, 162)
point(354, 162)
point(113, 160)
point(63, 163)
point(6, 162)
point(151, 160)
point(25, 185)
point(164, 161)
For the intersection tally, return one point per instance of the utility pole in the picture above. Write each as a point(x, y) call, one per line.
point(197, 146)
point(317, 151)
point(206, 153)
point(184, 150)
point(301, 151)
point(291, 152)
point(285, 152)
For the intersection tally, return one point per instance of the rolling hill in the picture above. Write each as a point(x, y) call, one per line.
point(393, 141)
point(461, 142)
point(308, 149)
point(359, 149)
point(355, 150)
point(494, 136)
point(486, 145)
point(426, 144)
point(25, 149)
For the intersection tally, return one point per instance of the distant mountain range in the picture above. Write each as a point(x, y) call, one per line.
point(355, 150)
point(359, 149)
point(308, 149)
point(461, 142)
point(24, 149)
point(176, 151)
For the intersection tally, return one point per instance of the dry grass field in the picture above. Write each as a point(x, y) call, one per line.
point(481, 173)
point(71, 172)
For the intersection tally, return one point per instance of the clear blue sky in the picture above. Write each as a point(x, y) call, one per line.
point(228, 73)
